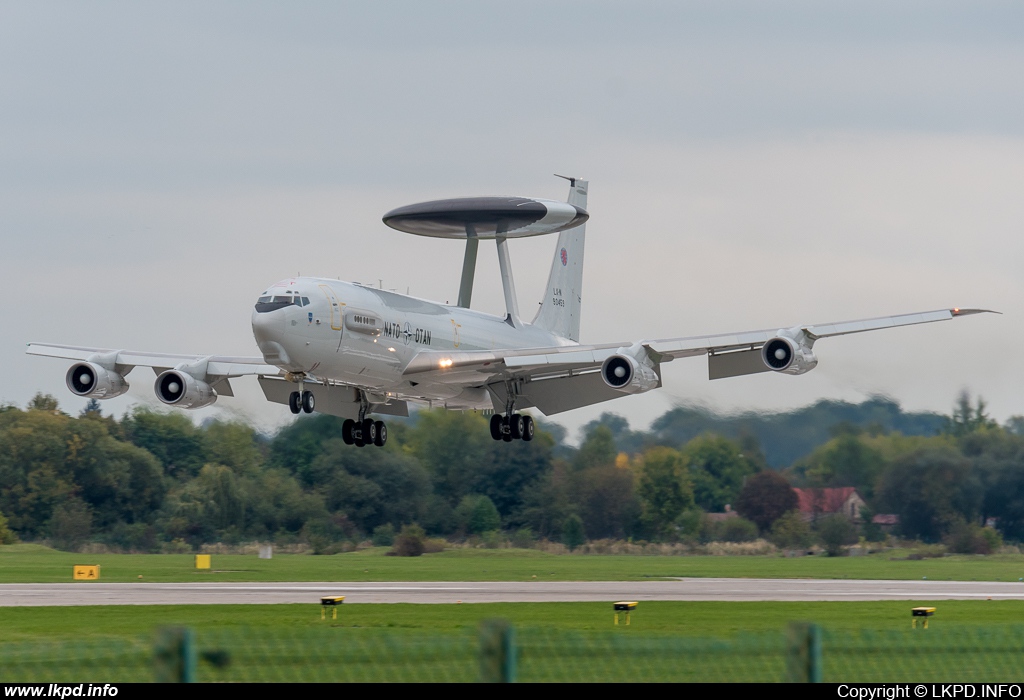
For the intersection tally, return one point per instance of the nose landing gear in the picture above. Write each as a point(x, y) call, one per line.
point(300, 402)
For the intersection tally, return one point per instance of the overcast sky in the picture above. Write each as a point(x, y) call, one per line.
point(752, 165)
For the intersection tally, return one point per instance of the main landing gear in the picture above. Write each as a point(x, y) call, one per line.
point(364, 431)
point(300, 402)
point(512, 427)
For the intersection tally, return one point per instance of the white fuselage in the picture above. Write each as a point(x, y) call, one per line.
point(353, 334)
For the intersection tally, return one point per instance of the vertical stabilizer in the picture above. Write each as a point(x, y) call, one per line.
point(563, 297)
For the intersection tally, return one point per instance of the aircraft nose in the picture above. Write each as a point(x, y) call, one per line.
point(267, 326)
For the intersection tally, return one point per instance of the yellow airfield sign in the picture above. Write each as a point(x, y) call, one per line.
point(86, 573)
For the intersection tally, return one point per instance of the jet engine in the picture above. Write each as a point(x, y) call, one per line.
point(91, 380)
point(624, 373)
point(177, 388)
point(783, 354)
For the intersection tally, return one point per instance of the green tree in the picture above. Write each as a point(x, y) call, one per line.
point(170, 437)
point(410, 542)
point(930, 489)
point(372, 487)
point(717, 468)
point(92, 408)
point(572, 532)
point(736, 530)
point(43, 402)
point(453, 446)
point(664, 490)
point(836, 531)
point(791, 531)
point(966, 418)
point(383, 535)
point(598, 449)
point(764, 498)
point(849, 459)
point(476, 514)
point(7, 536)
point(606, 500)
point(71, 525)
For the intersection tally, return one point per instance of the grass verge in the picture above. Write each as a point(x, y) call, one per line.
point(693, 619)
point(35, 564)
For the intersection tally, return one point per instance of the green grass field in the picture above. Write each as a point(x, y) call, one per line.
point(35, 564)
point(678, 641)
point(691, 619)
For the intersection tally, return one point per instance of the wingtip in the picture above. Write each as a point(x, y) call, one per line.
point(956, 311)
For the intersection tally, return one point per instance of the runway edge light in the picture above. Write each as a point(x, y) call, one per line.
point(625, 607)
point(924, 612)
point(331, 601)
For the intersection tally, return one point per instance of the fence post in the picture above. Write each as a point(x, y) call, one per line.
point(497, 652)
point(174, 655)
point(803, 653)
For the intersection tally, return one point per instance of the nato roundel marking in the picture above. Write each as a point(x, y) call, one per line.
point(565, 258)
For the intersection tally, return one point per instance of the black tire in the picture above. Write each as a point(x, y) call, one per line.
point(346, 431)
point(506, 433)
point(294, 403)
point(381, 438)
point(515, 426)
point(359, 443)
point(308, 401)
point(369, 431)
point(496, 423)
point(528, 428)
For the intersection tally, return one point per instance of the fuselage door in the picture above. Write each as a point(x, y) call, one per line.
point(336, 316)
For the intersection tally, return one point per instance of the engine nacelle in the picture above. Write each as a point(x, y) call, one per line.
point(95, 382)
point(783, 354)
point(624, 373)
point(176, 388)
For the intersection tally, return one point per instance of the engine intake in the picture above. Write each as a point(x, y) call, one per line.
point(624, 373)
point(176, 388)
point(783, 354)
point(92, 381)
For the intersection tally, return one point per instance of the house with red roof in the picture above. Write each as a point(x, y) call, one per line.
point(815, 503)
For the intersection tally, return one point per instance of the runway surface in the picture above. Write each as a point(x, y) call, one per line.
point(733, 589)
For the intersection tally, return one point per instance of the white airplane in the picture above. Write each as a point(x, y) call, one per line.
point(352, 350)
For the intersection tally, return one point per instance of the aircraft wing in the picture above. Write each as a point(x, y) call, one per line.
point(219, 365)
point(568, 373)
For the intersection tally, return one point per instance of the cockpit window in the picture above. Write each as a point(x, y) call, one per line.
point(267, 303)
point(305, 301)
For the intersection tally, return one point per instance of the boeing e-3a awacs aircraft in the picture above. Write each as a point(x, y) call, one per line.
point(351, 350)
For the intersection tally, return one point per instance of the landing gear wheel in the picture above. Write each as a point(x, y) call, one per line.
point(369, 431)
point(294, 402)
point(506, 433)
point(308, 401)
point(515, 426)
point(382, 433)
point(346, 431)
point(496, 424)
point(527, 428)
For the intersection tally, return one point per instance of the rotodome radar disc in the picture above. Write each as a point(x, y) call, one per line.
point(486, 217)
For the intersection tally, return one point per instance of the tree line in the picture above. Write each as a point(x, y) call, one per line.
point(155, 481)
